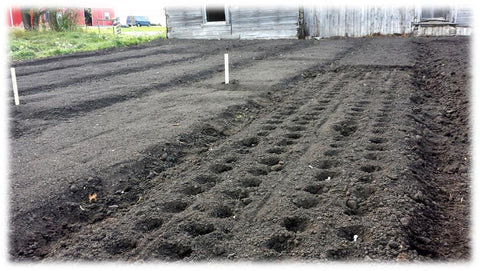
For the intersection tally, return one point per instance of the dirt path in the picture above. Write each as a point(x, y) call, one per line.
point(318, 150)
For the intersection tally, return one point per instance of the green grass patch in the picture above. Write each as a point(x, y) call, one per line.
point(145, 29)
point(39, 44)
point(109, 30)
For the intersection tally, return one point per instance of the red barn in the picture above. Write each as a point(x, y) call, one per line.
point(86, 16)
point(14, 17)
point(98, 16)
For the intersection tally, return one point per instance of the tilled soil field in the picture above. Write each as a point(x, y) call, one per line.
point(340, 149)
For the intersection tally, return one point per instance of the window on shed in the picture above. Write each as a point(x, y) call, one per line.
point(215, 14)
point(435, 14)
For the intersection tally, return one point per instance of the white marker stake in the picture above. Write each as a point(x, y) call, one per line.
point(15, 88)
point(226, 69)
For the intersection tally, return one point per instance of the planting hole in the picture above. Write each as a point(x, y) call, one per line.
point(148, 224)
point(230, 159)
point(378, 131)
point(318, 108)
point(192, 189)
point(263, 133)
point(296, 128)
point(363, 192)
point(257, 171)
point(324, 175)
point(375, 148)
point(365, 179)
point(276, 150)
point(337, 254)
point(379, 124)
point(279, 243)
point(285, 142)
point(219, 168)
point(315, 189)
point(377, 140)
point(293, 136)
point(269, 127)
point(222, 211)
point(369, 168)
point(175, 206)
point(120, 245)
point(174, 251)
point(270, 161)
point(301, 122)
point(237, 193)
point(348, 232)
point(287, 112)
point(204, 179)
point(273, 121)
point(251, 182)
point(305, 202)
point(354, 114)
point(357, 109)
point(331, 152)
point(291, 107)
point(250, 142)
point(295, 224)
point(383, 120)
point(345, 128)
point(309, 117)
point(197, 229)
point(325, 164)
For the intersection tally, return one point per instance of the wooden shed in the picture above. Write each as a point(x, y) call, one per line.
point(326, 22)
point(238, 22)
point(234, 22)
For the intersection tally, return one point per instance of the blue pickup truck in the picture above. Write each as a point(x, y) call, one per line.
point(138, 21)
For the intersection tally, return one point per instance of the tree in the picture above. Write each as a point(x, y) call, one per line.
point(26, 18)
point(65, 20)
point(53, 20)
point(31, 17)
point(68, 20)
point(37, 13)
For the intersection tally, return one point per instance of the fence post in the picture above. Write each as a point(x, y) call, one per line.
point(15, 88)
point(117, 26)
point(227, 80)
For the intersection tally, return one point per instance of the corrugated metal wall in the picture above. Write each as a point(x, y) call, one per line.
point(243, 23)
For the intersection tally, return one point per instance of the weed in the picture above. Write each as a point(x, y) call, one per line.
point(39, 44)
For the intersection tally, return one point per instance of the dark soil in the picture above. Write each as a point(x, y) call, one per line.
point(331, 150)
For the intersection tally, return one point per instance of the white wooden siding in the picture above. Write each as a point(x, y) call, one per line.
point(243, 23)
point(320, 21)
point(464, 17)
point(358, 21)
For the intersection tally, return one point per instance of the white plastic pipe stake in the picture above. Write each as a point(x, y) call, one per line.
point(15, 88)
point(226, 70)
